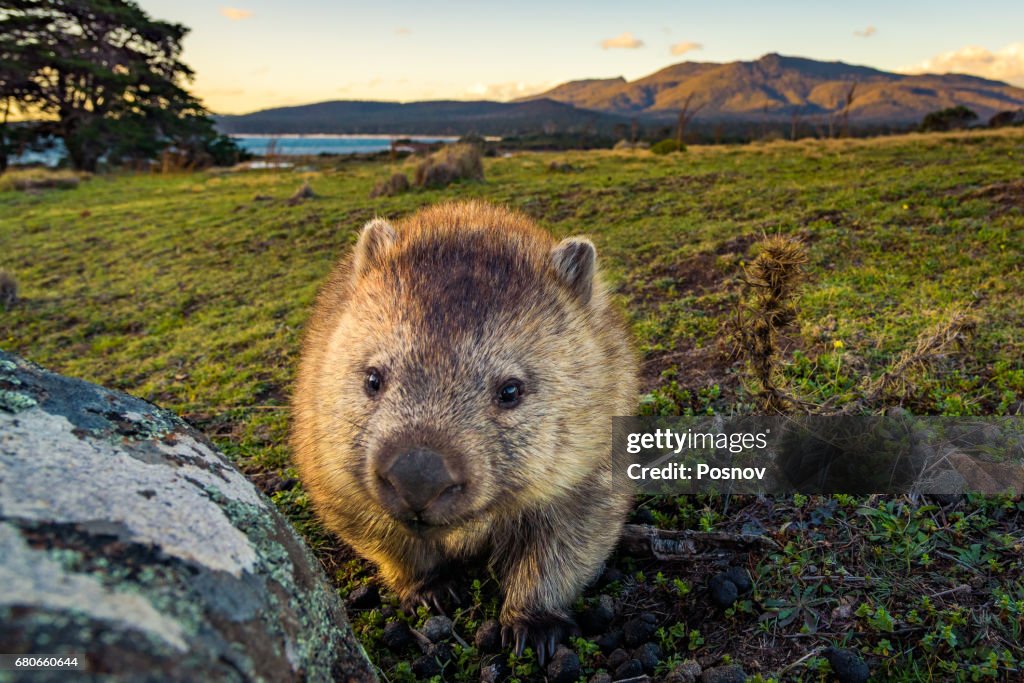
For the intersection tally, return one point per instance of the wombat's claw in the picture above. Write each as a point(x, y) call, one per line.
point(434, 597)
point(542, 634)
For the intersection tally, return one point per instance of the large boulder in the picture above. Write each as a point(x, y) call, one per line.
point(127, 539)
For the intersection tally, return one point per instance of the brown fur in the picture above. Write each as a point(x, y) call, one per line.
point(450, 302)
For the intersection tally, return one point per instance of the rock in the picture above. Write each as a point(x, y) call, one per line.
point(494, 672)
point(397, 636)
point(617, 659)
point(437, 629)
point(724, 674)
point(685, 672)
point(611, 575)
point(598, 617)
point(639, 630)
point(364, 597)
point(629, 669)
point(741, 578)
point(125, 535)
point(488, 637)
point(426, 667)
point(723, 591)
point(601, 677)
point(304, 192)
point(847, 665)
point(611, 641)
point(648, 654)
point(564, 666)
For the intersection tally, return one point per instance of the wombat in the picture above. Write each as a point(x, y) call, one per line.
point(454, 400)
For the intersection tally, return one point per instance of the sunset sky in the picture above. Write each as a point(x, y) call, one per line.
point(255, 54)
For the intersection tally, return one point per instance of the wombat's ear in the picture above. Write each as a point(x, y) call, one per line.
point(575, 261)
point(376, 236)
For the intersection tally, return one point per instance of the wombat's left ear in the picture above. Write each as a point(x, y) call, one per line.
point(575, 261)
point(376, 236)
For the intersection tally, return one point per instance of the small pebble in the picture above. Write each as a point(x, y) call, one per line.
point(723, 591)
point(648, 654)
point(643, 516)
point(426, 667)
point(617, 659)
point(611, 575)
point(610, 641)
point(488, 637)
point(724, 674)
point(740, 577)
point(597, 617)
point(685, 672)
point(564, 667)
point(639, 630)
point(494, 672)
point(437, 629)
point(364, 597)
point(630, 669)
point(847, 665)
point(397, 635)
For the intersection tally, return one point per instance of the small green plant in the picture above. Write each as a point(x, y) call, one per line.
point(667, 146)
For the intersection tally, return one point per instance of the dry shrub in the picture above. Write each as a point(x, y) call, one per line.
point(952, 334)
point(8, 290)
point(772, 280)
point(396, 184)
point(455, 162)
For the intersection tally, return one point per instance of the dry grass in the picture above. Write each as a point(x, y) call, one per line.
point(8, 290)
point(396, 184)
point(40, 179)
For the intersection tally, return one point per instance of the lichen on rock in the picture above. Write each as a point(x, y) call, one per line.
point(126, 537)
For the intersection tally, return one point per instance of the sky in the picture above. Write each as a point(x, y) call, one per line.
point(256, 54)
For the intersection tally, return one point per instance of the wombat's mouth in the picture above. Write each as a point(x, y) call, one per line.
point(421, 528)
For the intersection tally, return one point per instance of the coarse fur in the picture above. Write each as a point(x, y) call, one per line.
point(448, 304)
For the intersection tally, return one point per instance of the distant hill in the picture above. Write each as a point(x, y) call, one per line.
point(776, 87)
point(425, 118)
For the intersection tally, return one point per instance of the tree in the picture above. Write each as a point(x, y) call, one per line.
point(951, 118)
point(685, 116)
point(101, 75)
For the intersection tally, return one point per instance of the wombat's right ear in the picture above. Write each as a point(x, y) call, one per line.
point(377, 235)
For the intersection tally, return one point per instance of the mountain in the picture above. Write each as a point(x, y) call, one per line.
point(775, 87)
point(423, 118)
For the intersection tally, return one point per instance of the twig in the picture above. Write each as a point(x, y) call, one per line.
point(648, 541)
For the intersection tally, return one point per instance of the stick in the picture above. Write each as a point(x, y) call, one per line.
point(644, 540)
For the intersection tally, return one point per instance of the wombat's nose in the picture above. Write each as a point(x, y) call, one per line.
point(418, 478)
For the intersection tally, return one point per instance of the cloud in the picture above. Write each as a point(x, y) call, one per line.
point(684, 47)
point(403, 31)
point(624, 41)
point(504, 92)
point(234, 13)
point(866, 32)
point(1005, 64)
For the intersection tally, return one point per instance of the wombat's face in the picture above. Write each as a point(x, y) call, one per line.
point(458, 371)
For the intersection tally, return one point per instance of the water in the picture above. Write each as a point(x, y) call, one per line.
point(284, 145)
point(292, 145)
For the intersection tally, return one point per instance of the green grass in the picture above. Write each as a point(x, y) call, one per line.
point(187, 291)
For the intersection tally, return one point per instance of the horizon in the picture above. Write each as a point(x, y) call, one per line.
point(251, 56)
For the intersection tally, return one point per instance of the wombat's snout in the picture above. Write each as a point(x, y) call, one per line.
point(420, 486)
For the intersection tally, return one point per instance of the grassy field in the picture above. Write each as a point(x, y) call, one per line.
point(191, 291)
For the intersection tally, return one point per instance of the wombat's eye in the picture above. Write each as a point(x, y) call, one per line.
point(510, 394)
point(374, 381)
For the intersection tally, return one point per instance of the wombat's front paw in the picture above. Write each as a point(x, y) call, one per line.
point(435, 593)
point(543, 633)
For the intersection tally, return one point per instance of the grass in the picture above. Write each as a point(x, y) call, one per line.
point(189, 291)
